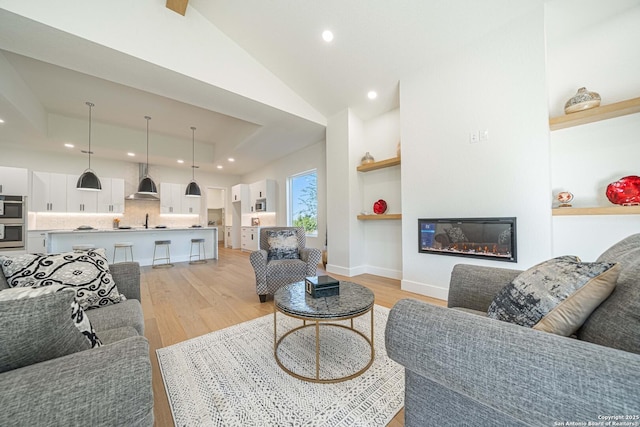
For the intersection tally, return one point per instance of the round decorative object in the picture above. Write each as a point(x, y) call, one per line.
point(368, 158)
point(564, 197)
point(398, 151)
point(582, 100)
point(625, 191)
point(380, 207)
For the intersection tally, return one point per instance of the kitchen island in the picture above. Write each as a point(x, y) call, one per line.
point(143, 240)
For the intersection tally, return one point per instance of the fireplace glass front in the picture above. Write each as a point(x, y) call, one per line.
point(489, 238)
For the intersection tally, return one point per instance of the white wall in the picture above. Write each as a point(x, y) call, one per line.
point(312, 157)
point(605, 58)
point(498, 83)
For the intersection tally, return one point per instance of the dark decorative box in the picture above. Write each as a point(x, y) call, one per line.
point(322, 286)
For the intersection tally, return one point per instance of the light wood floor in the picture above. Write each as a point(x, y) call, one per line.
point(190, 300)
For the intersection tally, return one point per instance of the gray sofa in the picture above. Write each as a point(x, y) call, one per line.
point(105, 386)
point(465, 369)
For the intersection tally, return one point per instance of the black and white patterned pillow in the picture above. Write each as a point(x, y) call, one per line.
point(555, 296)
point(283, 244)
point(80, 320)
point(87, 273)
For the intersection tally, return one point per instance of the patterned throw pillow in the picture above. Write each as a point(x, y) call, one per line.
point(456, 235)
point(283, 244)
point(80, 320)
point(555, 296)
point(85, 272)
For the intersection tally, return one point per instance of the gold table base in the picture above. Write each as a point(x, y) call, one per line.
point(316, 323)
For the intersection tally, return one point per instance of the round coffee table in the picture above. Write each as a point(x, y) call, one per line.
point(291, 300)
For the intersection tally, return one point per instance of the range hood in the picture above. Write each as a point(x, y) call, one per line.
point(140, 196)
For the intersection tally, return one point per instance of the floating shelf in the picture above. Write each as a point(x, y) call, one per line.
point(603, 112)
point(608, 210)
point(379, 165)
point(379, 217)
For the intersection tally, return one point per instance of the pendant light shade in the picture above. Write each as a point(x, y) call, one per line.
point(193, 190)
point(146, 185)
point(89, 181)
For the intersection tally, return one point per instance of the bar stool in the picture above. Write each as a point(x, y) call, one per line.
point(201, 255)
point(83, 247)
point(167, 256)
point(124, 246)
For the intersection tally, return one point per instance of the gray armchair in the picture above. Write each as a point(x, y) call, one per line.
point(272, 271)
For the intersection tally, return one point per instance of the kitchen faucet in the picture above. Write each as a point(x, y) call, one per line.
point(146, 221)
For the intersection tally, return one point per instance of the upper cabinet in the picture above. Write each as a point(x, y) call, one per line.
point(80, 201)
point(173, 200)
point(111, 198)
point(240, 193)
point(48, 192)
point(264, 192)
point(13, 181)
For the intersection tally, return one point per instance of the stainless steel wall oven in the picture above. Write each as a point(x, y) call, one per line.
point(12, 222)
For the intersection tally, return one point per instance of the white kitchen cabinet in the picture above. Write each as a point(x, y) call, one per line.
point(111, 198)
point(190, 205)
point(48, 192)
point(240, 193)
point(227, 236)
point(37, 242)
point(80, 201)
point(171, 197)
point(13, 181)
point(264, 190)
point(250, 240)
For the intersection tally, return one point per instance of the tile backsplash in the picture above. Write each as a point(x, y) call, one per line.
point(134, 216)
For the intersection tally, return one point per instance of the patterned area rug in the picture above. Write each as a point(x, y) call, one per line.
point(230, 377)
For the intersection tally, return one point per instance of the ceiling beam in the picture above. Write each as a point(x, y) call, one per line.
point(179, 6)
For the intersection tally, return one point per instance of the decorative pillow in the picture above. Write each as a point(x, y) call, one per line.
point(456, 235)
point(283, 244)
point(36, 329)
point(80, 320)
point(85, 272)
point(555, 296)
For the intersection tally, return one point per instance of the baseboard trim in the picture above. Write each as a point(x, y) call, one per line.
point(384, 272)
point(425, 289)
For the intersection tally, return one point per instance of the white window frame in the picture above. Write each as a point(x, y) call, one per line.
point(290, 201)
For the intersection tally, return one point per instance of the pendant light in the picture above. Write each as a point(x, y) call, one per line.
point(146, 185)
point(89, 181)
point(193, 190)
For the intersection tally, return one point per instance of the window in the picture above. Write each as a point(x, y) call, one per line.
point(302, 193)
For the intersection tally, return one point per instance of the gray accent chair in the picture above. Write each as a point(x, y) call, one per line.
point(463, 368)
point(105, 386)
point(271, 275)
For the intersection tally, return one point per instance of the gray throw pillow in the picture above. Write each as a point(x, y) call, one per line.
point(87, 273)
point(555, 296)
point(283, 244)
point(38, 328)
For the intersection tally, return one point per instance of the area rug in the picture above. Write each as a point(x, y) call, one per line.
point(230, 377)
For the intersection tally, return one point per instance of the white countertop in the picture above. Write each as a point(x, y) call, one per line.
point(128, 230)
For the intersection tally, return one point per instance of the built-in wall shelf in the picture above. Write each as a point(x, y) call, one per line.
point(608, 210)
point(379, 165)
point(379, 217)
point(603, 112)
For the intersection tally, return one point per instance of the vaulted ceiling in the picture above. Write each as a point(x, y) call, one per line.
point(377, 43)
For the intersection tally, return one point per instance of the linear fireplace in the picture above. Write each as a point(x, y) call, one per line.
point(489, 238)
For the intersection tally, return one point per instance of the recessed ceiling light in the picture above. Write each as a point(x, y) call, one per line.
point(231, 159)
point(1, 121)
point(68, 145)
point(131, 154)
point(372, 94)
point(219, 166)
point(327, 36)
point(180, 161)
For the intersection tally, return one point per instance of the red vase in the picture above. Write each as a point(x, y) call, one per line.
point(625, 191)
point(380, 207)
